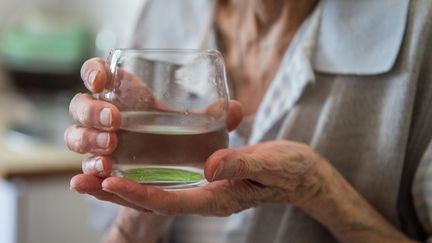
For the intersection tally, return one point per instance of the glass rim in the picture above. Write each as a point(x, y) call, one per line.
point(165, 51)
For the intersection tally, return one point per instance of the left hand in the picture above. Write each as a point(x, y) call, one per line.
point(271, 172)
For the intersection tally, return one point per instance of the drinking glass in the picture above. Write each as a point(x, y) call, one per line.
point(173, 106)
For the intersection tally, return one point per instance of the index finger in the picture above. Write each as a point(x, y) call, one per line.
point(95, 74)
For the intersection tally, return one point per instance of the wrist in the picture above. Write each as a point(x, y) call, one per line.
point(346, 213)
point(329, 199)
point(324, 189)
point(134, 226)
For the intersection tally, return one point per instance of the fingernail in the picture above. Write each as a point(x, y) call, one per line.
point(105, 117)
point(93, 165)
point(98, 165)
point(102, 140)
point(92, 77)
point(218, 170)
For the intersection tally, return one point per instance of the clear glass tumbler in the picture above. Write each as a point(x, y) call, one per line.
point(173, 107)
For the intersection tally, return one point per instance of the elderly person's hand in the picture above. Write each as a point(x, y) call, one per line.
point(273, 172)
point(99, 120)
point(279, 171)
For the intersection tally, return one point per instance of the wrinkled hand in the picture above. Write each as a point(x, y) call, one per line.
point(98, 120)
point(276, 172)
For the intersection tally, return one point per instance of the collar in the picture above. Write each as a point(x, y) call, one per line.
point(181, 24)
point(355, 37)
point(360, 37)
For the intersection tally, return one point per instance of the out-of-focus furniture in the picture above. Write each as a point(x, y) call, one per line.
point(36, 204)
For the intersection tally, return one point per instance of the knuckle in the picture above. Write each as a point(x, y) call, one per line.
point(69, 136)
point(85, 114)
point(73, 104)
point(80, 108)
point(242, 166)
point(81, 143)
point(75, 139)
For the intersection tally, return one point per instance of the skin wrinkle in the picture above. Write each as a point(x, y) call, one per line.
point(85, 114)
point(245, 195)
point(76, 141)
point(256, 195)
point(253, 38)
point(89, 116)
point(348, 215)
point(83, 140)
point(242, 169)
point(308, 188)
point(285, 181)
point(76, 108)
point(267, 12)
point(120, 201)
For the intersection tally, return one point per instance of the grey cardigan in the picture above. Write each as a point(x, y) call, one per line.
point(369, 111)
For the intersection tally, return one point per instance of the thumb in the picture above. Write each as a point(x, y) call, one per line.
point(233, 165)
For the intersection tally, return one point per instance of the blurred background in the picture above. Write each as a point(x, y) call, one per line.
point(42, 46)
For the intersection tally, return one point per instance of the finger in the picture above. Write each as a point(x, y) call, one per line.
point(95, 74)
point(100, 166)
point(194, 201)
point(92, 185)
point(235, 114)
point(214, 160)
point(94, 113)
point(233, 165)
point(88, 140)
point(132, 93)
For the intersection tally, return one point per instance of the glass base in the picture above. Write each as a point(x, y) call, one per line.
point(164, 177)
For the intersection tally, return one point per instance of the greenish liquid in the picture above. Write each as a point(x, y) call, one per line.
point(166, 150)
point(158, 175)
